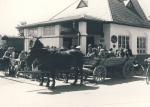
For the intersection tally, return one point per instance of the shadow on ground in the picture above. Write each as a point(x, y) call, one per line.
point(16, 80)
point(116, 81)
point(69, 88)
point(109, 82)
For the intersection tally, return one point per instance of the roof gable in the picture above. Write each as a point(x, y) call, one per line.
point(122, 15)
point(134, 6)
point(96, 8)
point(82, 4)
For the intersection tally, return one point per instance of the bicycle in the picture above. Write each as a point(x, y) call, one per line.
point(147, 71)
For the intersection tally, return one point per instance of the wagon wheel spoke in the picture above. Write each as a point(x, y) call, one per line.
point(147, 76)
point(99, 74)
point(128, 70)
point(139, 71)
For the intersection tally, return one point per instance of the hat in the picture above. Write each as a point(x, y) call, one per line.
point(77, 47)
point(89, 45)
point(10, 48)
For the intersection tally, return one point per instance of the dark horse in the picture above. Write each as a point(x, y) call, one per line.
point(52, 62)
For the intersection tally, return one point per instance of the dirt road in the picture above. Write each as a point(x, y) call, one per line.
point(19, 92)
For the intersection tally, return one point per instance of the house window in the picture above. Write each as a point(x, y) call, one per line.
point(123, 41)
point(32, 32)
point(83, 3)
point(49, 30)
point(66, 28)
point(141, 45)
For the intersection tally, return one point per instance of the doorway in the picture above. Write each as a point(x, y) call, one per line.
point(67, 43)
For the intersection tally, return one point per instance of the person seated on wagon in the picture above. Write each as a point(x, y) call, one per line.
point(13, 53)
point(89, 50)
point(13, 56)
point(110, 53)
point(128, 51)
point(99, 47)
point(147, 61)
point(95, 50)
point(10, 53)
point(122, 54)
point(53, 49)
point(22, 59)
point(101, 51)
point(7, 56)
point(117, 53)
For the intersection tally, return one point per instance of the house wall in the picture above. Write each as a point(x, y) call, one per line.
point(47, 40)
point(51, 42)
point(132, 32)
point(26, 41)
point(106, 30)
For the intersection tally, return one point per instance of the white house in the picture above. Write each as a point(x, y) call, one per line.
point(84, 22)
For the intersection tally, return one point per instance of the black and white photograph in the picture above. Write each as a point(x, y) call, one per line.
point(74, 53)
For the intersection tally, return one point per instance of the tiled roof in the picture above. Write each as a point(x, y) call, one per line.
point(138, 8)
point(122, 15)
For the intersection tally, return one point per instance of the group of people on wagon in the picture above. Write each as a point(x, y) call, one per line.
point(11, 58)
point(7, 56)
point(101, 51)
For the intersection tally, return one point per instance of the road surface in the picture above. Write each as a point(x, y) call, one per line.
point(20, 92)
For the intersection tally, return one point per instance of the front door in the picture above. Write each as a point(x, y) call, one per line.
point(67, 43)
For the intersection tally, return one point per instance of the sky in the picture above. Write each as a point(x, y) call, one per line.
point(12, 12)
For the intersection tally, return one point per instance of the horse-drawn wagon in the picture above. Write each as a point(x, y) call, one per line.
point(53, 63)
point(100, 68)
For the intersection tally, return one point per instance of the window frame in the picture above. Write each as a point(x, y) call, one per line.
point(49, 30)
point(123, 43)
point(32, 32)
point(141, 45)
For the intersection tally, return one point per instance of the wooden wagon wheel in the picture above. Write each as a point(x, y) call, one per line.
point(128, 69)
point(147, 76)
point(99, 74)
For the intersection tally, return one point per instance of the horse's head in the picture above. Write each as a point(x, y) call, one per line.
point(35, 51)
point(37, 54)
point(37, 44)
